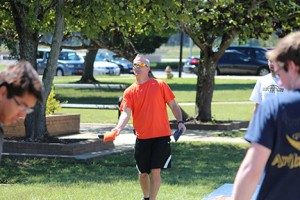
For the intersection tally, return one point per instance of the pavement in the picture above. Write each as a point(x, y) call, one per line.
point(126, 140)
point(91, 131)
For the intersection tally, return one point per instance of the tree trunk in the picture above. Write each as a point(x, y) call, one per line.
point(88, 76)
point(28, 39)
point(204, 92)
point(50, 70)
point(35, 123)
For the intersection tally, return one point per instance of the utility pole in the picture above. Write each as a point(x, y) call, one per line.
point(180, 54)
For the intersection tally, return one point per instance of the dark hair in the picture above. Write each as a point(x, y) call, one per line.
point(287, 49)
point(21, 78)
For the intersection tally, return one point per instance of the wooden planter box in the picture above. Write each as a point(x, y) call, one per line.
point(58, 124)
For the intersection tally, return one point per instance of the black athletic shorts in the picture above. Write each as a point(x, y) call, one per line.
point(152, 153)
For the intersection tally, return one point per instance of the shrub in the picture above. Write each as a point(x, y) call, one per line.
point(53, 104)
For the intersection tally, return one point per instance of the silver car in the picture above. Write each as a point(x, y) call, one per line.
point(69, 62)
point(106, 55)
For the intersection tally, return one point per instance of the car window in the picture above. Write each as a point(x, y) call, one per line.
point(73, 56)
point(246, 52)
point(63, 56)
point(116, 57)
point(225, 57)
point(40, 55)
point(260, 54)
point(47, 55)
point(239, 57)
point(68, 56)
point(99, 57)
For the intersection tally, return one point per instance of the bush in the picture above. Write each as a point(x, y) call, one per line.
point(53, 104)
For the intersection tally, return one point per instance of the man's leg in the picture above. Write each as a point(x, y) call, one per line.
point(155, 181)
point(145, 184)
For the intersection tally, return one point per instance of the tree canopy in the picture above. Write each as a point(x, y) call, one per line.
point(213, 25)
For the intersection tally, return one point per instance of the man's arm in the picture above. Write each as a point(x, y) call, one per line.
point(256, 95)
point(177, 114)
point(123, 120)
point(255, 108)
point(250, 172)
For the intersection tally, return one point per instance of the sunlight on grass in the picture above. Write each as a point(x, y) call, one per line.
point(94, 115)
point(115, 176)
point(184, 89)
point(219, 112)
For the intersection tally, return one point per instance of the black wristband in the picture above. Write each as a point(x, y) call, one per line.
point(180, 122)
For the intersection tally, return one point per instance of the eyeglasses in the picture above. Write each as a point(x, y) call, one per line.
point(24, 107)
point(139, 65)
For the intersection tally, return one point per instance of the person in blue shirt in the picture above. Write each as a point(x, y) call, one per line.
point(274, 134)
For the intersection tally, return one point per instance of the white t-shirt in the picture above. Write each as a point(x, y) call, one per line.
point(265, 87)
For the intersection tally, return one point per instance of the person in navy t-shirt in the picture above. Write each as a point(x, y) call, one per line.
point(274, 134)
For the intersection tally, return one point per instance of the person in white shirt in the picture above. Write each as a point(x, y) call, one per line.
point(265, 87)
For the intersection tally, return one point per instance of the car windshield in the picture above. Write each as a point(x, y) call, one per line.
point(116, 57)
point(99, 57)
point(102, 57)
point(260, 54)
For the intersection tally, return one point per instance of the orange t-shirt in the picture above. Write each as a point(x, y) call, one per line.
point(149, 109)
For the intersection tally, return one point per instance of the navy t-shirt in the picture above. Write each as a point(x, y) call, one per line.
point(276, 125)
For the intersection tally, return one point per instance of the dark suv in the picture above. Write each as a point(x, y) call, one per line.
point(233, 62)
point(236, 62)
point(257, 53)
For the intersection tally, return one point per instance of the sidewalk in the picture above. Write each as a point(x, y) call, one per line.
point(126, 140)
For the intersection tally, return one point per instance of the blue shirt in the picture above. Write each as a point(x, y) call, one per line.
point(276, 125)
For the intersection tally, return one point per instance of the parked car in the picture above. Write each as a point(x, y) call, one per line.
point(69, 62)
point(233, 62)
point(104, 67)
point(106, 55)
point(257, 53)
point(236, 62)
point(190, 66)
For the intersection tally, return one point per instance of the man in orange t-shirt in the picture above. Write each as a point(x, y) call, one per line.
point(146, 100)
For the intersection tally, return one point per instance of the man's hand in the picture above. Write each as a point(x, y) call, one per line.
point(181, 127)
point(111, 136)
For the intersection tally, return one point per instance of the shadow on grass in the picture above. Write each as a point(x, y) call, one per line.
point(237, 86)
point(231, 86)
point(88, 96)
point(212, 163)
point(193, 163)
point(88, 99)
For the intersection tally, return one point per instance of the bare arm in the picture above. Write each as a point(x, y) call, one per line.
point(123, 120)
point(255, 108)
point(177, 114)
point(250, 171)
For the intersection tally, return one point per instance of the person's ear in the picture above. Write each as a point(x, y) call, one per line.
point(292, 66)
point(295, 67)
point(3, 92)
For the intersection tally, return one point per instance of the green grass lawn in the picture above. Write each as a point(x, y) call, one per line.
point(220, 112)
point(184, 89)
point(115, 176)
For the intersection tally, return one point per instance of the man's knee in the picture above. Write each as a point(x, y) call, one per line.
point(155, 172)
point(144, 175)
